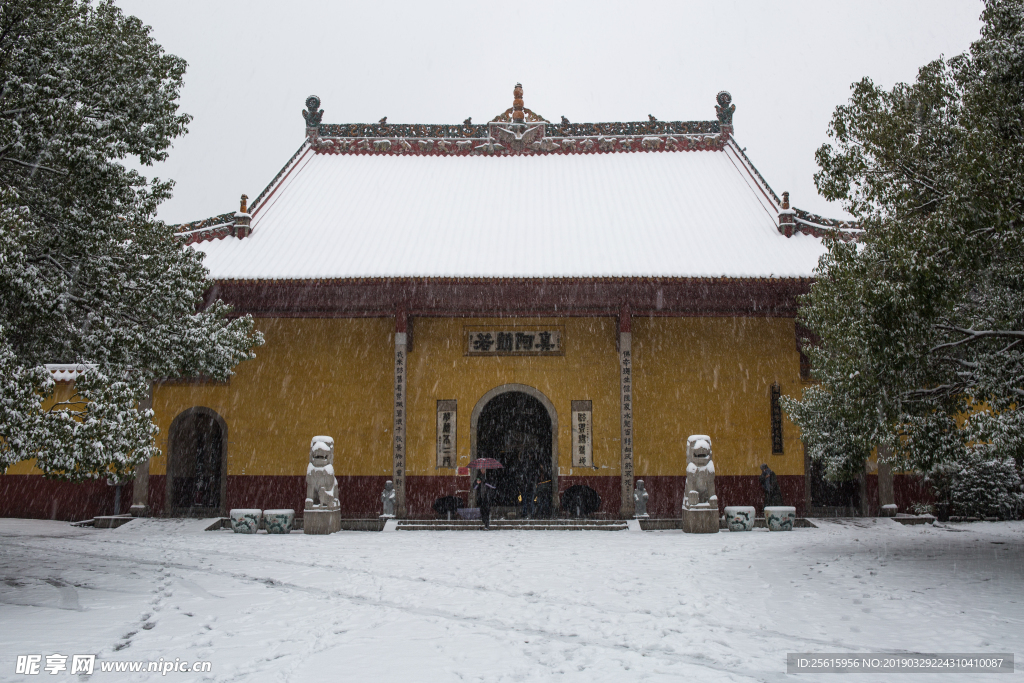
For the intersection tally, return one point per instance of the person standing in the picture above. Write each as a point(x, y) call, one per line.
point(483, 497)
point(770, 487)
point(528, 496)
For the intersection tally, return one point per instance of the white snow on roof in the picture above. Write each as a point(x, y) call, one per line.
point(68, 372)
point(665, 214)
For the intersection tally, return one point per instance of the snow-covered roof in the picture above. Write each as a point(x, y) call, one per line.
point(68, 372)
point(526, 199)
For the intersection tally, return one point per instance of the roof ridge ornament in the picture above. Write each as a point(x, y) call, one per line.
point(517, 113)
point(787, 217)
point(724, 109)
point(311, 114)
point(513, 131)
point(517, 104)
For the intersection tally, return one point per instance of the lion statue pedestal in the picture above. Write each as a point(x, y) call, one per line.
point(322, 514)
point(700, 506)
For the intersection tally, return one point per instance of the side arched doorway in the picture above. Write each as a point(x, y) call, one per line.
point(518, 426)
point(197, 464)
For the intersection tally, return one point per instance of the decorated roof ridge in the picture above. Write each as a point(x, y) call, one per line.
point(254, 207)
point(204, 224)
point(816, 221)
point(517, 115)
point(401, 146)
point(481, 279)
point(753, 170)
point(802, 221)
point(223, 225)
point(480, 131)
point(793, 220)
point(235, 224)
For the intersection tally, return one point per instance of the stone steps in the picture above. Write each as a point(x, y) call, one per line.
point(512, 524)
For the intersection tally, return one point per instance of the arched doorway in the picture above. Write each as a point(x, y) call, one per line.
point(517, 425)
point(197, 463)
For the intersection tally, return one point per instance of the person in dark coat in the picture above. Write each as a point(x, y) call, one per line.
point(483, 497)
point(528, 495)
point(770, 486)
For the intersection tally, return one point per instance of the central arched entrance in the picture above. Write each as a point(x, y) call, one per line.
point(517, 425)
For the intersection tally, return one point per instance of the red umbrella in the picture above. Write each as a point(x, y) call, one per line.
point(485, 464)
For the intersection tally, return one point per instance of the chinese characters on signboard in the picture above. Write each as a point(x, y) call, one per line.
point(400, 414)
point(626, 385)
point(514, 342)
point(446, 434)
point(582, 434)
point(776, 420)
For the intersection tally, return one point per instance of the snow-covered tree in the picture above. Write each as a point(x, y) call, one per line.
point(87, 275)
point(922, 321)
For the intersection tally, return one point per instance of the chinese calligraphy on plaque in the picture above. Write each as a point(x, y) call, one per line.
point(446, 434)
point(626, 407)
point(582, 434)
point(398, 474)
point(513, 342)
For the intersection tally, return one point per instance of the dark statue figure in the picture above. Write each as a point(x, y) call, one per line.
point(725, 108)
point(770, 486)
point(312, 113)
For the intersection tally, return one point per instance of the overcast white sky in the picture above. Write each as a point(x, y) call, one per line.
point(787, 65)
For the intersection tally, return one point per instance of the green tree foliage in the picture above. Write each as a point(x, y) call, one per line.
point(921, 322)
point(87, 275)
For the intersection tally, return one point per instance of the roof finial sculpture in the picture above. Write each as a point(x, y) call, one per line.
point(725, 108)
point(312, 113)
point(241, 226)
point(518, 116)
point(787, 217)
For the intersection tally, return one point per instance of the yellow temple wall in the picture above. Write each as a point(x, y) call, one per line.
point(713, 376)
point(440, 370)
point(332, 376)
point(312, 376)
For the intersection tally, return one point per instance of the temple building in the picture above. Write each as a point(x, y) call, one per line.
point(571, 299)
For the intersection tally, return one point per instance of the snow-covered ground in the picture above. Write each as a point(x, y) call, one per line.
point(506, 605)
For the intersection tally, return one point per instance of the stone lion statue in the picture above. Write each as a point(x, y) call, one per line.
point(321, 484)
point(700, 474)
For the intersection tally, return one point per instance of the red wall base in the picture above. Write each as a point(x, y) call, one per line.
point(33, 496)
point(908, 489)
point(36, 497)
point(667, 493)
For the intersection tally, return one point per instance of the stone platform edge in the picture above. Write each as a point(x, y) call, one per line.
point(347, 524)
point(677, 523)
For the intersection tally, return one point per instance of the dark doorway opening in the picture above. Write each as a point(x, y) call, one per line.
point(514, 428)
point(196, 463)
point(832, 498)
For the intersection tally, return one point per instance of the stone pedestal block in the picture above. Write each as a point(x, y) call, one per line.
point(321, 522)
point(700, 521)
point(139, 511)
